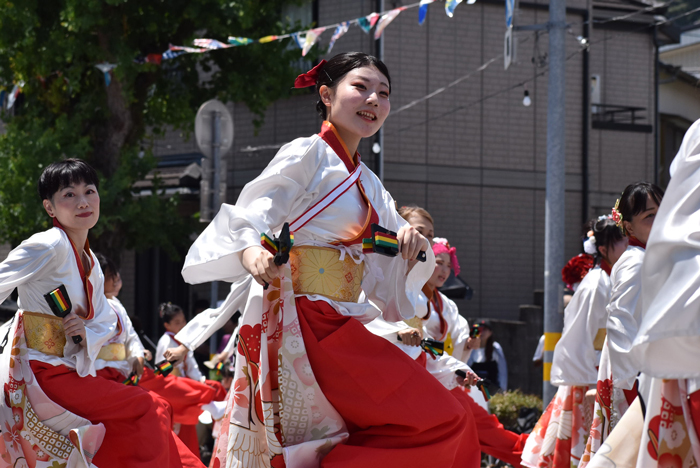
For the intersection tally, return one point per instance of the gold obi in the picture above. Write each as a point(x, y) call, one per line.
point(599, 339)
point(44, 333)
point(318, 270)
point(113, 352)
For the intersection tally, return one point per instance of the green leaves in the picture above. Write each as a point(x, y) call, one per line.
point(67, 111)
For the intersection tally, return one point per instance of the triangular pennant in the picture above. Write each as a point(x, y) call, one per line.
point(298, 40)
point(188, 50)
point(450, 6)
point(423, 10)
point(12, 97)
point(171, 54)
point(385, 20)
point(239, 41)
point(310, 39)
point(266, 39)
point(211, 44)
point(106, 68)
point(339, 31)
point(367, 22)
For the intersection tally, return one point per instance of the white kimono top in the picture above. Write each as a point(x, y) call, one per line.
point(188, 367)
point(624, 316)
point(456, 332)
point(302, 173)
point(39, 265)
point(125, 335)
point(575, 359)
point(667, 344)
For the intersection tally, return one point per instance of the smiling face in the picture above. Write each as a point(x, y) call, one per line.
point(640, 224)
point(76, 207)
point(113, 285)
point(359, 104)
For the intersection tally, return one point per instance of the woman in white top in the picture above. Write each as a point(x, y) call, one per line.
point(561, 432)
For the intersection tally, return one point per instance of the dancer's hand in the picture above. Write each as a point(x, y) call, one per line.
point(469, 380)
point(411, 336)
point(138, 366)
point(411, 242)
point(74, 326)
point(176, 355)
point(220, 357)
point(472, 343)
point(260, 263)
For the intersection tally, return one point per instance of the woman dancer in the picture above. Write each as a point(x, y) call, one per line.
point(616, 389)
point(559, 438)
point(56, 408)
point(345, 392)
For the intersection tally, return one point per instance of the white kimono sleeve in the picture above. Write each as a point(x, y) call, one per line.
point(134, 347)
point(623, 319)
point(575, 358)
point(263, 206)
point(394, 291)
point(98, 332)
point(27, 262)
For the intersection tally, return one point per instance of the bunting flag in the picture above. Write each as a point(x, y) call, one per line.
point(266, 39)
point(423, 10)
point(171, 54)
point(239, 41)
point(12, 97)
point(310, 39)
point(298, 40)
point(368, 22)
point(211, 44)
point(338, 33)
point(450, 6)
point(106, 69)
point(385, 20)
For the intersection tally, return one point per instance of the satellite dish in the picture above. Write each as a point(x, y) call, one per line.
point(204, 128)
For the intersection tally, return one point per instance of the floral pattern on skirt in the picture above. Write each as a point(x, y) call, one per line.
point(559, 438)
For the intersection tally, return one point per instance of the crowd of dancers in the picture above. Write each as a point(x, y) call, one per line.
point(347, 354)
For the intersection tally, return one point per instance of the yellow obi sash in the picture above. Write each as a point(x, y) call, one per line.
point(44, 333)
point(318, 270)
point(113, 352)
point(599, 339)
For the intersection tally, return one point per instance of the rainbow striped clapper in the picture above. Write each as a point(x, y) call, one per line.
point(163, 368)
point(383, 241)
point(60, 305)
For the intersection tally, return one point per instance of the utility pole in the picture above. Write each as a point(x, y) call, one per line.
point(216, 156)
point(554, 205)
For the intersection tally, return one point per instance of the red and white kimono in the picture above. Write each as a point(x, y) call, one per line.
point(340, 396)
point(56, 410)
point(667, 343)
point(560, 436)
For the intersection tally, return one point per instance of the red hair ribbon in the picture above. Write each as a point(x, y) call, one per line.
point(310, 77)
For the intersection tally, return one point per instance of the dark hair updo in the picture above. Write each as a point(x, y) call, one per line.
point(606, 233)
point(109, 268)
point(65, 173)
point(336, 68)
point(634, 199)
point(169, 311)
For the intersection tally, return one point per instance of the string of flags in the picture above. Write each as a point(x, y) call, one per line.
point(305, 40)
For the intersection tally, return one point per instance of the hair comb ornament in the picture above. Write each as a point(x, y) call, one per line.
point(616, 215)
point(384, 241)
point(60, 304)
point(310, 77)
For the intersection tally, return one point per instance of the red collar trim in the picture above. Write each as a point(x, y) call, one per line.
point(172, 335)
point(438, 305)
point(84, 276)
point(634, 242)
point(330, 135)
point(605, 266)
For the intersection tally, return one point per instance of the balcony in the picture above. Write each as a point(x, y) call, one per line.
point(620, 118)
